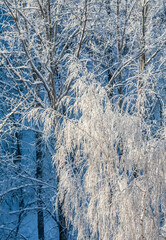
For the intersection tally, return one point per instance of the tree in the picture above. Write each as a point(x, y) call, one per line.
point(101, 196)
point(88, 76)
point(37, 51)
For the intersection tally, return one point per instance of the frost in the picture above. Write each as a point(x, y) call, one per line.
point(99, 185)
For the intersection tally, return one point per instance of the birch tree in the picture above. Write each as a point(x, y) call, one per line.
point(102, 197)
point(112, 197)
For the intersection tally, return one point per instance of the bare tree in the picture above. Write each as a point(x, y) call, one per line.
point(38, 49)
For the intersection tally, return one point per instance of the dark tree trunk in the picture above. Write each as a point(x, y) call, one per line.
point(17, 161)
point(119, 47)
point(63, 233)
point(39, 173)
point(143, 57)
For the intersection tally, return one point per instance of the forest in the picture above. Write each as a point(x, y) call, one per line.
point(82, 119)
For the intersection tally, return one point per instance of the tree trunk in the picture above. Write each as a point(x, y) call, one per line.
point(17, 161)
point(144, 12)
point(39, 173)
point(63, 233)
point(120, 90)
